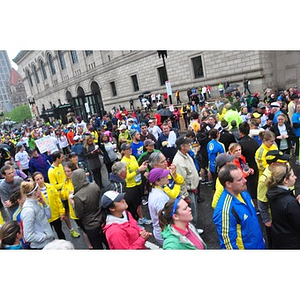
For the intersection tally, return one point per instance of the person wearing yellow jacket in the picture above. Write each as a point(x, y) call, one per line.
point(172, 189)
point(134, 187)
point(51, 197)
point(267, 145)
point(67, 191)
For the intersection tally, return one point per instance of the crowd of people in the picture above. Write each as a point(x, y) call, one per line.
point(240, 145)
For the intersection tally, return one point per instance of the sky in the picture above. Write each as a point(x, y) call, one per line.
point(11, 55)
point(169, 25)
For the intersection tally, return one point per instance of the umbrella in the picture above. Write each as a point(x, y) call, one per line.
point(164, 112)
point(194, 95)
point(230, 89)
point(4, 146)
point(235, 85)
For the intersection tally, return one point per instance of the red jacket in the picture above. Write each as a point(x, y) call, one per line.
point(124, 235)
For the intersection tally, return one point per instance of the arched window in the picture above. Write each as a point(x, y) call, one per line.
point(51, 63)
point(74, 56)
point(29, 78)
point(61, 59)
point(43, 69)
point(36, 75)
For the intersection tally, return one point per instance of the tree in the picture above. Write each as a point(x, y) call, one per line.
point(19, 114)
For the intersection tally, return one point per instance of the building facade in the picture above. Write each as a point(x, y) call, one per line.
point(95, 81)
point(5, 70)
point(16, 89)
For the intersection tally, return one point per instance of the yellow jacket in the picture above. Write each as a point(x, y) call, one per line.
point(219, 190)
point(65, 192)
point(132, 179)
point(260, 157)
point(174, 192)
point(54, 202)
point(57, 176)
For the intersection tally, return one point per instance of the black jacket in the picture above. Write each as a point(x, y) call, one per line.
point(290, 132)
point(226, 138)
point(285, 211)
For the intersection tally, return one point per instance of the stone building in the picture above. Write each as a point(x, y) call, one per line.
point(94, 81)
point(16, 89)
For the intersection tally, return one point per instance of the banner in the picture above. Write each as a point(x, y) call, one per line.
point(46, 144)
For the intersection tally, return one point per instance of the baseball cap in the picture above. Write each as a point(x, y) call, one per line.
point(256, 115)
point(125, 146)
point(123, 126)
point(76, 137)
point(223, 158)
point(148, 142)
point(111, 196)
point(277, 156)
point(261, 105)
point(157, 173)
point(275, 104)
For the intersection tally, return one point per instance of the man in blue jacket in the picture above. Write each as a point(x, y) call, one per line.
point(235, 215)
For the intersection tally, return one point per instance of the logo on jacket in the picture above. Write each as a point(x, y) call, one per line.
point(245, 217)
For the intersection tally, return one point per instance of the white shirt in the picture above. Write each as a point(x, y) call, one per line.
point(155, 130)
point(156, 201)
point(22, 157)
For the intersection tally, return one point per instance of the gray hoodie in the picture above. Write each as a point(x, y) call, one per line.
point(86, 200)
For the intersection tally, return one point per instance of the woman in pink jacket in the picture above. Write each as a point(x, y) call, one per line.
point(121, 229)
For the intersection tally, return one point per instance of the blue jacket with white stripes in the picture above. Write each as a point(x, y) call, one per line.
point(237, 223)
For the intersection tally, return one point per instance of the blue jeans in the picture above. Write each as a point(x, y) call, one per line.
point(194, 207)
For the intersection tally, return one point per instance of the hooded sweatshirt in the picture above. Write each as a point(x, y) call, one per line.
point(285, 218)
point(123, 233)
point(174, 240)
point(86, 200)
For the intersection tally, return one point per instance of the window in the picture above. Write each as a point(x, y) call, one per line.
point(162, 75)
point(113, 88)
point(74, 56)
point(135, 83)
point(51, 63)
point(88, 52)
point(61, 59)
point(43, 69)
point(198, 67)
point(29, 78)
point(36, 74)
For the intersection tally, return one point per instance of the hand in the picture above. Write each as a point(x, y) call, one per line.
point(279, 137)
point(298, 198)
point(251, 171)
point(172, 169)
point(143, 167)
point(146, 174)
point(62, 217)
point(268, 224)
point(145, 235)
point(7, 203)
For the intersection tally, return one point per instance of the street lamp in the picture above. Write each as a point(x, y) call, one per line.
point(163, 54)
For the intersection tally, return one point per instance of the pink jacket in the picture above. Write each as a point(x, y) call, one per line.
point(123, 234)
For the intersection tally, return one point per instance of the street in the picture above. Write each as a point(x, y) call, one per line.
point(205, 213)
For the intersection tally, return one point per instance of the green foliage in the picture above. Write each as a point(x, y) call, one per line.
point(19, 113)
